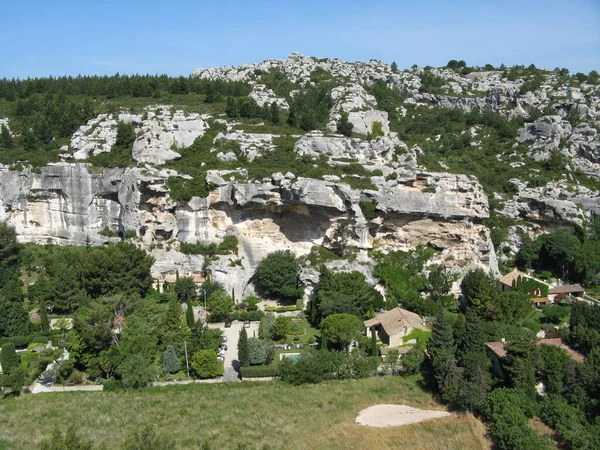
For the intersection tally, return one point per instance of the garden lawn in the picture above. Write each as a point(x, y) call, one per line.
point(227, 415)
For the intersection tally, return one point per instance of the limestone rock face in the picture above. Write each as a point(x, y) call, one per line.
point(65, 203)
point(157, 132)
point(553, 203)
point(265, 96)
point(378, 150)
point(69, 205)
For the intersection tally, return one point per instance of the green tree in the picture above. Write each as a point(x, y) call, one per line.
point(413, 359)
point(170, 361)
point(125, 135)
point(344, 126)
point(510, 306)
point(189, 313)
point(231, 108)
point(374, 349)
point(220, 305)
point(243, 349)
point(394, 66)
point(392, 360)
point(274, 113)
point(137, 371)
point(265, 329)
point(44, 322)
point(257, 351)
point(14, 320)
point(479, 288)
point(281, 327)
point(342, 329)
point(440, 281)
point(6, 140)
point(520, 364)
point(9, 358)
point(346, 293)
point(185, 288)
point(277, 275)
point(205, 364)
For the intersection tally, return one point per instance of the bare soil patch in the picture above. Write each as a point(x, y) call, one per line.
point(383, 416)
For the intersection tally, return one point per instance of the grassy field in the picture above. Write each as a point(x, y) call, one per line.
point(255, 414)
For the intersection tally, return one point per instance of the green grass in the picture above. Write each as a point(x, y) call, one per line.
point(309, 332)
point(422, 335)
point(593, 291)
point(251, 413)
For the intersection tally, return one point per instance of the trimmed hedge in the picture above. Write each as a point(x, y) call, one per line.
point(259, 371)
point(281, 308)
point(21, 342)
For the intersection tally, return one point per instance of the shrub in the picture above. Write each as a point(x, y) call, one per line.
point(228, 246)
point(170, 362)
point(257, 351)
point(259, 371)
point(369, 209)
point(206, 365)
point(299, 305)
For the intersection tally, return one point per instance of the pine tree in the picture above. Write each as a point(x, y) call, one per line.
point(170, 362)
point(6, 140)
point(344, 126)
point(231, 109)
point(45, 323)
point(189, 314)
point(394, 66)
point(8, 357)
point(243, 351)
point(274, 112)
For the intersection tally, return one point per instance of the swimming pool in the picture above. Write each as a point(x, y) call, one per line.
point(293, 356)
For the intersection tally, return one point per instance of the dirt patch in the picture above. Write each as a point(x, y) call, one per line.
point(383, 416)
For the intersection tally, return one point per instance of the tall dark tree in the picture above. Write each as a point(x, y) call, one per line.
point(44, 322)
point(274, 113)
point(243, 350)
point(9, 358)
point(6, 140)
point(344, 126)
point(189, 313)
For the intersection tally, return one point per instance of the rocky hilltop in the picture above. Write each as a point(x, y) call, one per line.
point(384, 159)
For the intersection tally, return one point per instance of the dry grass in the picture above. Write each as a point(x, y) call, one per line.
point(272, 413)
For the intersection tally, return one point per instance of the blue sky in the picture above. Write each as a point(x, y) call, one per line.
point(54, 37)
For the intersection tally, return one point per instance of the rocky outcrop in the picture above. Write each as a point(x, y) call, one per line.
point(380, 150)
point(157, 130)
point(265, 96)
point(553, 203)
point(67, 204)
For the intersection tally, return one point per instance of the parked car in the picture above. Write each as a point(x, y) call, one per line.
point(223, 347)
point(223, 338)
point(246, 324)
point(221, 358)
point(228, 324)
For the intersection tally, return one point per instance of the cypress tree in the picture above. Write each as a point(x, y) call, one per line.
point(9, 358)
point(189, 314)
point(243, 351)
point(374, 351)
point(274, 113)
point(45, 323)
